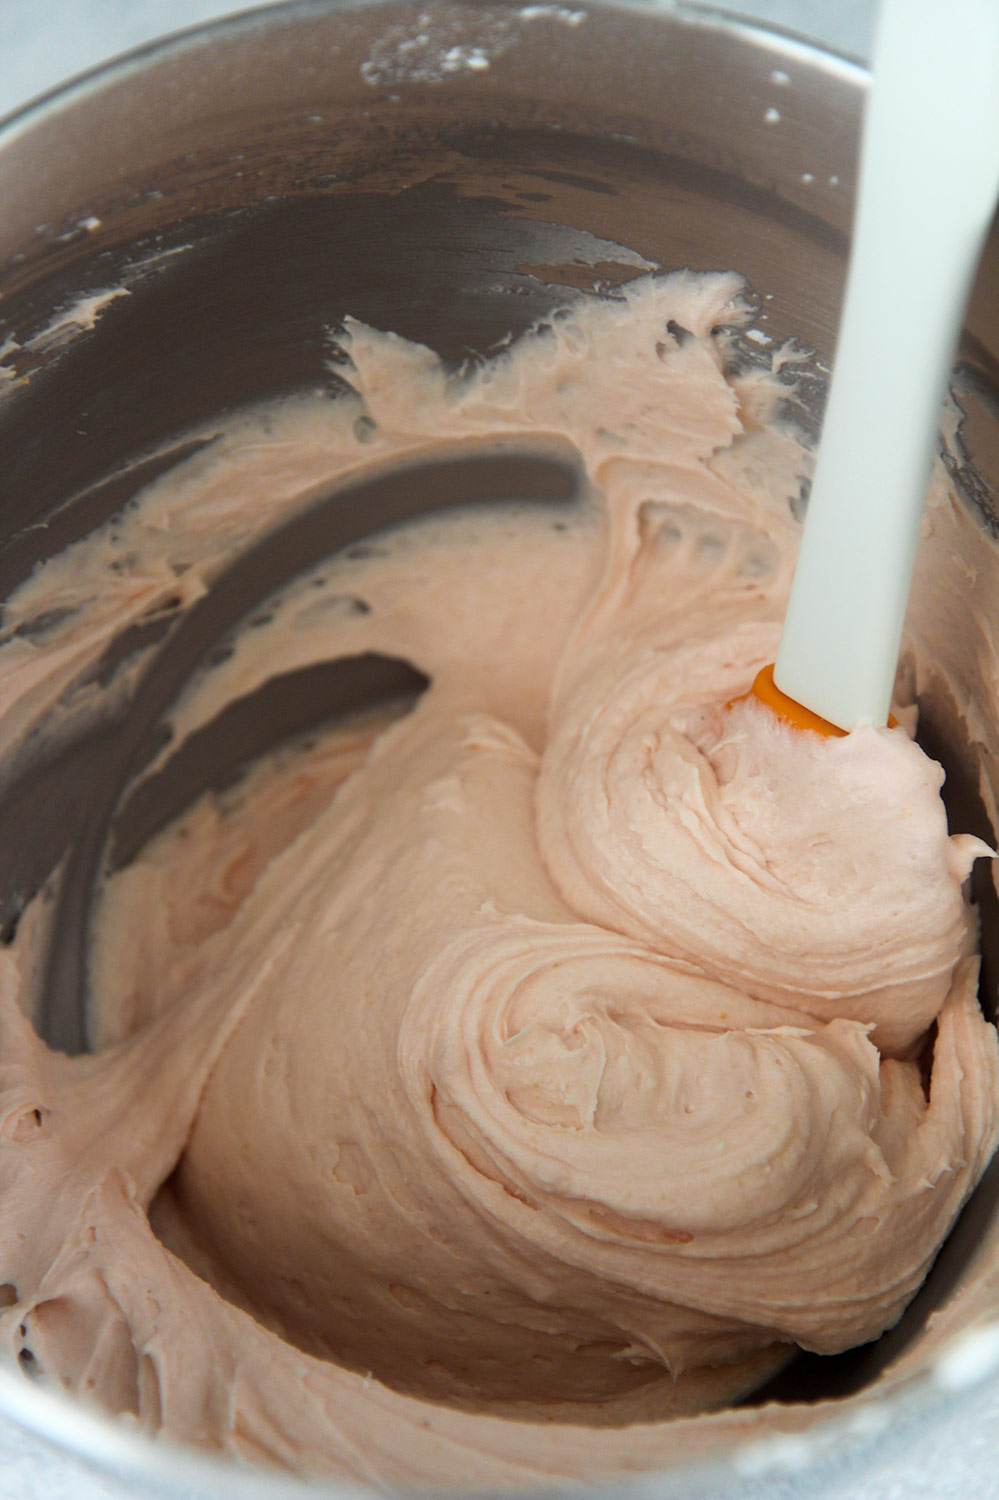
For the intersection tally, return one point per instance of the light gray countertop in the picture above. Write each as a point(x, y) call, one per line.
point(43, 42)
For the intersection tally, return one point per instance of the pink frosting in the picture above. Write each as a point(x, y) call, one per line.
point(557, 1054)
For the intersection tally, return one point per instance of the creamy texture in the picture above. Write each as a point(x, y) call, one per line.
point(557, 1051)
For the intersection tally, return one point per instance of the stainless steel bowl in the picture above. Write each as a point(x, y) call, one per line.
point(450, 171)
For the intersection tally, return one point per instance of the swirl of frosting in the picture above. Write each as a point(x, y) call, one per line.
point(813, 872)
point(523, 1157)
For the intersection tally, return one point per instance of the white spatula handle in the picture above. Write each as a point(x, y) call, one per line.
point(928, 187)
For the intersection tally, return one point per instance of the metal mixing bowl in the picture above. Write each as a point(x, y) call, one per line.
point(452, 172)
